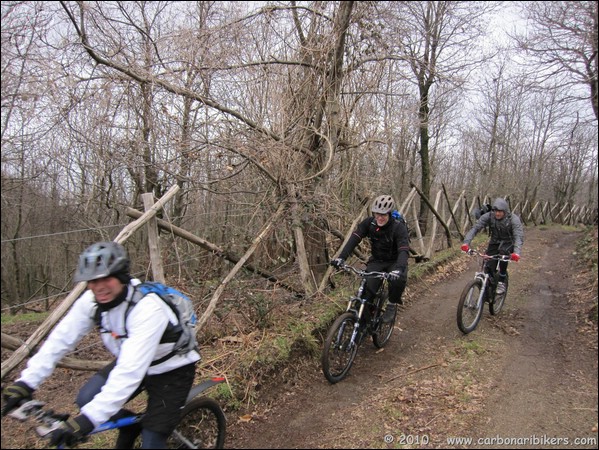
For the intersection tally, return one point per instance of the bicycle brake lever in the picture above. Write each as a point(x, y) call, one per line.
point(44, 430)
point(26, 410)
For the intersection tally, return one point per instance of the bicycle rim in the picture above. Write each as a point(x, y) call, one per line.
point(202, 425)
point(470, 310)
point(338, 353)
point(384, 330)
point(497, 304)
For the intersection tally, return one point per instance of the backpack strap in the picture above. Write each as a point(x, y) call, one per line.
point(97, 317)
point(171, 334)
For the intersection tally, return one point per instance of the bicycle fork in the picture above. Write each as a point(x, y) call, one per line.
point(356, 328)
point(355, 332)
point(484, 278)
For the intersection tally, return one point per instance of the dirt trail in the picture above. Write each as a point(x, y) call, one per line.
point(526, 378)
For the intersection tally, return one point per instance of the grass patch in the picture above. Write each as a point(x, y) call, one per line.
point(586, 249)
point(30, 317)
point(473, 347)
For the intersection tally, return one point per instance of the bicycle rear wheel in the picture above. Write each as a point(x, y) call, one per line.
point(339, 353)
point(202, 425)
point(470, 310)
point(383, 330)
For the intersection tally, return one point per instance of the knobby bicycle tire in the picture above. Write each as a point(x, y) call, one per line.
point(497, 304)
point(384, 330)
point(337, 355)
point(202, 425)
point(469, 311)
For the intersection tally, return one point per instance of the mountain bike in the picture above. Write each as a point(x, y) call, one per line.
point(361, 318)
point(481, 290)
point(202, 423)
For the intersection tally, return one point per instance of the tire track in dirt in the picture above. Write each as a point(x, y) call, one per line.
point(518, 374)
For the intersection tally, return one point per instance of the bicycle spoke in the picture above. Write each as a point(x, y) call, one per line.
point(339, 351)
point(470, 307)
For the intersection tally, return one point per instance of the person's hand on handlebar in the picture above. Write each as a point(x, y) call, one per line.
point(338, 263)
point(15, 394)
point(72, 431)
point(515, 257)
point(398, 274)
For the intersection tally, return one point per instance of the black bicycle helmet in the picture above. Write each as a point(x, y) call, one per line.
point(383, 204)
point(100, 260)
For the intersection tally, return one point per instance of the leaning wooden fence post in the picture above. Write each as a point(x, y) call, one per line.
point(434, 211)
point(363, 213)
point(418, 230)
point(153, 240)
point(219, 290)
point(27, 348)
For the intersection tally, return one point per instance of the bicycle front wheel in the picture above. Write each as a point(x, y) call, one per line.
point(470, 309)
point(202, 425)
point(384, 329)
point(497, 304)
point(339, 352)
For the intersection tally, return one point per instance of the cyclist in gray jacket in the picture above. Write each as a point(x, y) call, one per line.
point(507, 237)
point(138, 342)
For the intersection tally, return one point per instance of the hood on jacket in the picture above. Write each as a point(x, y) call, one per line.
point(501, 205)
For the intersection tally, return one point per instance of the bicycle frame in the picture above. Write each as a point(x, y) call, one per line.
point(484, 276)
point(469, 312)
point(358, 297)
point(349, 329)
point(50, 420)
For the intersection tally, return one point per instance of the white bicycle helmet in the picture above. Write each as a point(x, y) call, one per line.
point(383, 204)
point(100, 260)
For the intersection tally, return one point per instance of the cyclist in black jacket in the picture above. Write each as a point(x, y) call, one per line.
point(390, 247)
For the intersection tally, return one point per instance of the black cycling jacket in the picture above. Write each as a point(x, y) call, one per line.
point(388, 243)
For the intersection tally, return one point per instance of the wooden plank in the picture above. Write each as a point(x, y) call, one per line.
point(20, 354)
point(220, 289)
point(216, 250)
point(153, 240)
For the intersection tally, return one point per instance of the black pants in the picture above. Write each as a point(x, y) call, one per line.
point(396, 287)
point(491, 265)
point(167, 393)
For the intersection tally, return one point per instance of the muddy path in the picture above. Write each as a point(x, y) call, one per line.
point(526, 378)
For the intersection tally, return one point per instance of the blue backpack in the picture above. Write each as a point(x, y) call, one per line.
point(183, 334)
point(400, 218)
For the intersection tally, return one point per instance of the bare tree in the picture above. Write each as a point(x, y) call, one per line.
point(439, 40)
point(246, 106)
point(309, 138)
point(562, 40)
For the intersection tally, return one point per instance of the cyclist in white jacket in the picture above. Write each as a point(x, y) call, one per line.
point(143, 358)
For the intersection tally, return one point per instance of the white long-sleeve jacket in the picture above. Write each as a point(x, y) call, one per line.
point(146, 323)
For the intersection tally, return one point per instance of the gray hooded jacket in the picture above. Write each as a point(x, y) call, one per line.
point(505, 233)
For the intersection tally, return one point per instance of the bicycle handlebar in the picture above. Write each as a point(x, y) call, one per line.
point(363, 273)
point(35, 409)
point(473, 252)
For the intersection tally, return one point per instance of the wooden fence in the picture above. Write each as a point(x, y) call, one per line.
point(455, 219)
